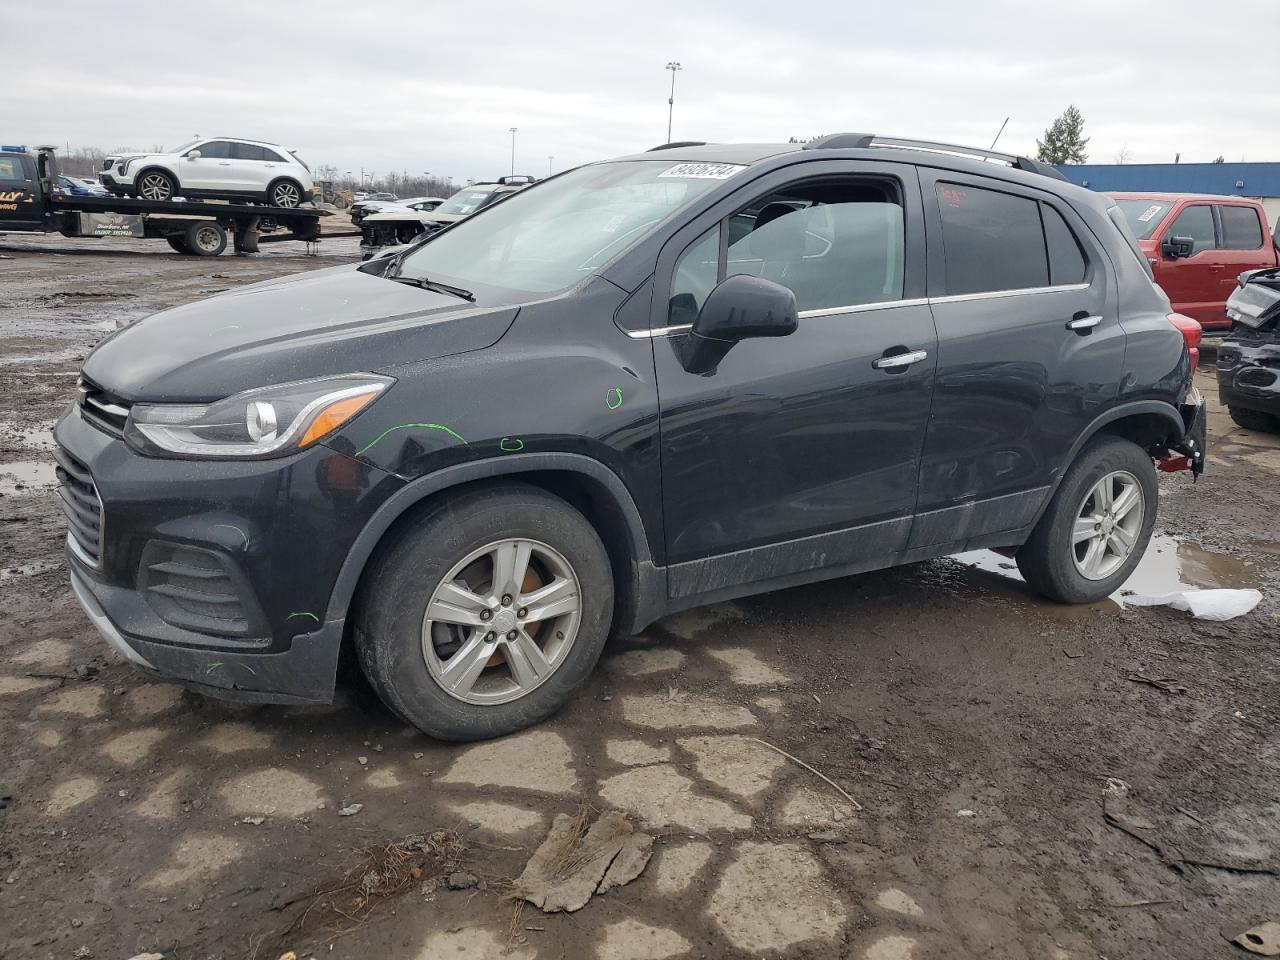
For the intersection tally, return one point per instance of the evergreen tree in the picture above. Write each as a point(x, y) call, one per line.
point(1219, 159)
point(1064, 141)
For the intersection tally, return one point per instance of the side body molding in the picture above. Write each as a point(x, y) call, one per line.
point(648, 588)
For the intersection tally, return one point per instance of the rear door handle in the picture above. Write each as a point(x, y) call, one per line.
point(224, 163)
point(896, 360)
point(1086, 322)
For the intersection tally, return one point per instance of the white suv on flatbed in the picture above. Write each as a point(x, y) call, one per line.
point(217, 168)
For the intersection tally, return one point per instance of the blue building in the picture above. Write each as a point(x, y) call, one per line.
point(1259, 181)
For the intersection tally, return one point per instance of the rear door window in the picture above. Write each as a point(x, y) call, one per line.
point(1066, 258)
point(1196, 222)
point(248, 151)
point(1241, 229)
point(991, 241)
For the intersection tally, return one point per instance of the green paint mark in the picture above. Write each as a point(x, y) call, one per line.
point(303, 613)
point(613, 399)
point(511, 444)
point(408, 426)
point(212, 667)
point(232, 526)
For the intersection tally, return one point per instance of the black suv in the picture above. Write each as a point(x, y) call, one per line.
point(636, 387)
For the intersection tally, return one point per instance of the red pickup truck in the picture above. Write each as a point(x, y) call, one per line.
point(1198, 245)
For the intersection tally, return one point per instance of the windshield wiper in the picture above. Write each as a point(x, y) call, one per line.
point(424, 284)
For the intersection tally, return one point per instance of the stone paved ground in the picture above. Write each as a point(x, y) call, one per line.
point(975, 726)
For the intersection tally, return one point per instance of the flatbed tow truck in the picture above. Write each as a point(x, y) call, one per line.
point(31, 202)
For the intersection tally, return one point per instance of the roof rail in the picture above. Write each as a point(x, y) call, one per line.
point(845, 141)
point(678, 143)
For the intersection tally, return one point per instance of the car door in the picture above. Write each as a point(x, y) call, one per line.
point(211, 172)
point(1030, 351)
point(1192, 283)
point(797, 453)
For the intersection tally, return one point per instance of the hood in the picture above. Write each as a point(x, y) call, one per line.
point(314, 324)
point(1256, 300)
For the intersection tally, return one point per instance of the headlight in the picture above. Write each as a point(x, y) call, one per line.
point(266, 422)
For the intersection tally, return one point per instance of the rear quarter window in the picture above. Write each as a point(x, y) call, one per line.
point(1066, 259)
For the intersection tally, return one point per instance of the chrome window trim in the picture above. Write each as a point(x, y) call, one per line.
point(864, 307)
point(997, 294)
point(658, 331)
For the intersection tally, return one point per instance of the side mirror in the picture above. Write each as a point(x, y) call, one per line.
point(1176, 248)
point(739, 308)
point(193, 154)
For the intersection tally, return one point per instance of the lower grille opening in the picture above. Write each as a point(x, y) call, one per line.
point(81, 506)
point(200, 590)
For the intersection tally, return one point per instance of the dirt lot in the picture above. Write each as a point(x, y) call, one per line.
point(980, 729)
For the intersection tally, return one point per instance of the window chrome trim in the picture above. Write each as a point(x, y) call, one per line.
point(865, 307)
point(997, 294)
point(658, 331)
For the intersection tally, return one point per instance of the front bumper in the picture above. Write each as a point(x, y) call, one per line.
point(216, 575)
point(109, 180)
point(1249, 374)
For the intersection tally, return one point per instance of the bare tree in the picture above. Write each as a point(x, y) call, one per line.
point(1123, 156)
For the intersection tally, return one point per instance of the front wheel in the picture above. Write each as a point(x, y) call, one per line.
point(1254, 420)
point(156, 185)
point(205, 238)
point(485, 613)
point(1096, 527)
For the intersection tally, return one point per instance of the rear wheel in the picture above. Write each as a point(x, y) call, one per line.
point(486, 613)
point(156, 185)
point(1254, 419)
point(178, 242)
point(205, 238)
point(284, 193)
point(1096, 527)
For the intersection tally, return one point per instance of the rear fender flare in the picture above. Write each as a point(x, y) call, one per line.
point(1160, 408)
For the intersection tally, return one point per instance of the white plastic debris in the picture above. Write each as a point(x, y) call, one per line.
point(1204, 604)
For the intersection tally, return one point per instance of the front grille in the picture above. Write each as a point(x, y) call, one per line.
point(104, 411)
point(195, 589)
point(106, 164)
point(81, 505)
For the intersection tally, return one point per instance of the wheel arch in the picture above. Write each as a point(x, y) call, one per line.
point(1148, 423)
point(157, 168)
point(285, 178)
point(586, 484)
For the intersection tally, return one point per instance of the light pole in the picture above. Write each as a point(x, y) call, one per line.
point(513, 149)
point(550, 161)
point(673, 66)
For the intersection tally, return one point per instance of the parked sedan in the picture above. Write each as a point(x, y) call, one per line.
point(79, 187)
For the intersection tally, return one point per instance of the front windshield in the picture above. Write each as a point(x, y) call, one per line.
point(1143, 216)
point(464, 202)
point(550, 236)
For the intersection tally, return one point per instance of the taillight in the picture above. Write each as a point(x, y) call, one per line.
point(1192, 333)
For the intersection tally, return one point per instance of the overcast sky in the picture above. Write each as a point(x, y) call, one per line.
point(434, 87)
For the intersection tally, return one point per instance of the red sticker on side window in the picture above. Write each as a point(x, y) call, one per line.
point(954, 196)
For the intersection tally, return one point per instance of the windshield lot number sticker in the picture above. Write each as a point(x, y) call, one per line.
point(1150, 212)
point(703, 171)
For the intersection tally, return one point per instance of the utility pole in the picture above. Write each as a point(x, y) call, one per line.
point(513, 149)
point(673, 66)
point(550, 161)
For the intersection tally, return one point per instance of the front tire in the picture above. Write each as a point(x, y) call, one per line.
point(1096, 527)
point(1254, 419)
point(284, 193)
point(156, 185)
point(205, 238)
point(485, 613)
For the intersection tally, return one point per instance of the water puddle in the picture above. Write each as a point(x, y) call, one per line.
point(1169, 565)
point(34, 568)
point(26, 476)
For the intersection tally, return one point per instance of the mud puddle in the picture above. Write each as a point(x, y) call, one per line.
point(26, 476)
point(1168, 566)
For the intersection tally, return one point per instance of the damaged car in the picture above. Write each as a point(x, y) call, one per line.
point(1248, 364)
point(634, 388)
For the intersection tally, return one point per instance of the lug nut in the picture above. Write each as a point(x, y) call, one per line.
point(489, 636)
point(522, 613)
point(486, 614)
point(511, 635)
point(506, 599)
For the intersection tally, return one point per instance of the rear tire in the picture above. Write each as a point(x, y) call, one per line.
point(178, 242)
point(205, 238)
point(443, 564)
point(1254, 419)
point(1088, 541)
point(156, 185)
point(284, 193)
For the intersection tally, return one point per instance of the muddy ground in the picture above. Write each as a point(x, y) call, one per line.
point(980, 729)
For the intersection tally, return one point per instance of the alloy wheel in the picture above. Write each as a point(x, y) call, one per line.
point(501, 622)
point(155, 186)
point(208, 238)
point(285, 195)
point(1108, 525)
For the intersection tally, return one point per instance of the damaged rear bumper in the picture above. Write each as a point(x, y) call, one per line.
point(1189, 452)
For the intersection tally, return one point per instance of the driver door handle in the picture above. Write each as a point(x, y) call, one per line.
point(899, 360)
point(1084, 323)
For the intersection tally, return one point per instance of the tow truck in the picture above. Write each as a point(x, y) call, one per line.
point(32, 202)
